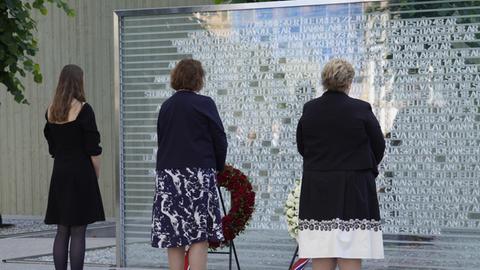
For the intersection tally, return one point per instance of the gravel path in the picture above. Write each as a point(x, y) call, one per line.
point(22, 226)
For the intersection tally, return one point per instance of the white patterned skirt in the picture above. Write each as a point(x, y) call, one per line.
point(339, 216)
point(185, 208)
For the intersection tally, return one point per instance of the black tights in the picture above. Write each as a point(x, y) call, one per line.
point(76, 236)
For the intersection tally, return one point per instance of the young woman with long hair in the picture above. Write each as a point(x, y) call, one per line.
point(74, 199)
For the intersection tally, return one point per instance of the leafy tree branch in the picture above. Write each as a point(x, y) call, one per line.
point(18, 44)
point(241, 1)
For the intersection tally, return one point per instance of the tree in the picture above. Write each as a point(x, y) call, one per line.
point(18, 45)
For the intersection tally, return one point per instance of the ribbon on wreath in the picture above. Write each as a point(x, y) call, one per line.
point(299, 264)
point(186, 264)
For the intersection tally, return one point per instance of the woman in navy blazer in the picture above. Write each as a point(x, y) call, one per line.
point(342, 144)
point(192, 147)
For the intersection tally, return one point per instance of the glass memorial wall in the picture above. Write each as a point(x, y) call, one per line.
point(416, 62)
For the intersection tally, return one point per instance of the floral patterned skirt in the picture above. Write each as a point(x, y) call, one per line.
point(339, 216)
point(185, 208)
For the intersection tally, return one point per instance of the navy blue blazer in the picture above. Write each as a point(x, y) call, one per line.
point(337, 132)
point(190, 133)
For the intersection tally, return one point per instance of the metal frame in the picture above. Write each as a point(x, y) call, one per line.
point(295, 253)
point(229, 7)
point(231, 250)
point(118, 15)
point(119, 189)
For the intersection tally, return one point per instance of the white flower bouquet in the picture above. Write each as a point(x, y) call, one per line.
point(291, 209)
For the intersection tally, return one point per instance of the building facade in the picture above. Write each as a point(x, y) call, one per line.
point(85, 40)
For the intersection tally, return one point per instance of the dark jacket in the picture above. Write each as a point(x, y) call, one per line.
point(190, 133)
point(337, 132)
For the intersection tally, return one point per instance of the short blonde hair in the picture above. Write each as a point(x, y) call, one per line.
point(337, 75)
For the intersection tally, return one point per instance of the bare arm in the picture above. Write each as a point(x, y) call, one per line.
point(96, 164)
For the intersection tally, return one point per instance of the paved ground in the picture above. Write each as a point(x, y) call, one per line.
point(24, 248)
point(28, 246)
point(22, 245)
point(25, 254)
point(14, 250)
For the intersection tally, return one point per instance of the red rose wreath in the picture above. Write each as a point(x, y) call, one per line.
point(242, 204)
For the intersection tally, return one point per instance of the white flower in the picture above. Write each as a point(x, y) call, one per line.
point(291, 209)
point(295, 220)
point(290, 204)
point(290, 213)
point(296, 192)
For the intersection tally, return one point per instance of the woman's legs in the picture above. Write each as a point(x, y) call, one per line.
point(176, 258)
point(77, 246)
point(331, 264)
point(60, 247)
point(197, 256)
point(350, 264)
point(324, 263)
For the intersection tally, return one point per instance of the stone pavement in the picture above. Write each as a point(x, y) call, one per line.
point(257, 250)
point(24, 248)
point(22, 244)
point(25, 254)
point(11, 249)
point(28, 246)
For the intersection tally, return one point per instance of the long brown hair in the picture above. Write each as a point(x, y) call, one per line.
point(70, 86)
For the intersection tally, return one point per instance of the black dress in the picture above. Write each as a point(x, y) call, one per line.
point(74, 197)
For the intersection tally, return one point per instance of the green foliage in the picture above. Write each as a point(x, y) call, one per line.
point(18, 45)
point(240, 1)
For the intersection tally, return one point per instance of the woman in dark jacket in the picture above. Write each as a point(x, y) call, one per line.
point(342, 144)
point(192, 147)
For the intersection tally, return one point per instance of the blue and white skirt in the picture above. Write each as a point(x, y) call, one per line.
point(185, 208)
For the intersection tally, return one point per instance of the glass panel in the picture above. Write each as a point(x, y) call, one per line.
point(417, 63)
